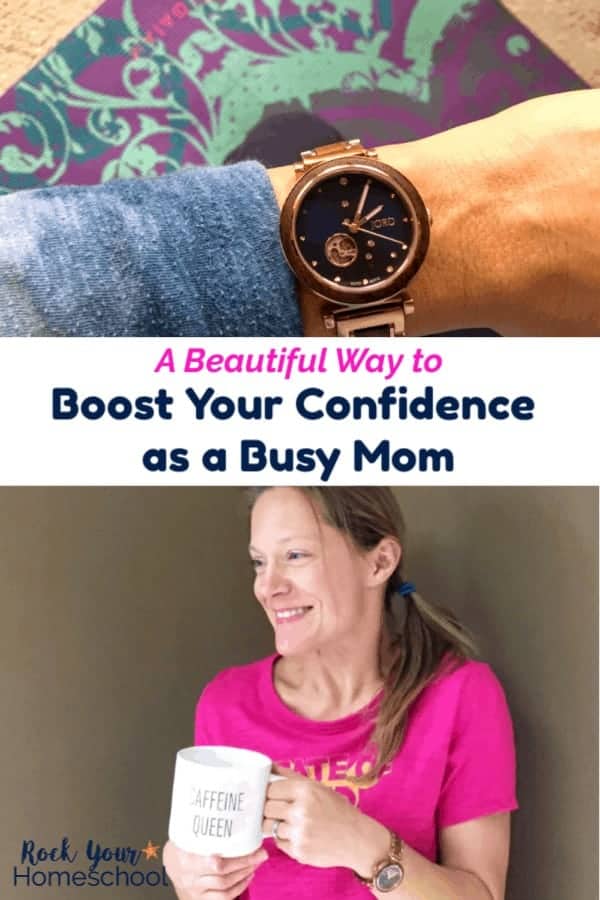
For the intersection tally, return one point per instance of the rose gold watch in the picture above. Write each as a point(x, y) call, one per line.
point(354, 231)
point(389, 872)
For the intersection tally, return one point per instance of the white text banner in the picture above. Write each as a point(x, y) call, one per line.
point(215, 411)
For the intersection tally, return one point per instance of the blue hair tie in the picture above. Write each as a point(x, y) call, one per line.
point(406, 587)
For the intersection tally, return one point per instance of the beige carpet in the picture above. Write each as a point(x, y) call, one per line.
point(570, 27)
point(29, 28)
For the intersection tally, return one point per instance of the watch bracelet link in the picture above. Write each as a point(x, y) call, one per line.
point(328, 152)
point(394, 857)
point(385, 319)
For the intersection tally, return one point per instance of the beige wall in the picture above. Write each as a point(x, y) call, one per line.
point(119, 603)
point(520, 565)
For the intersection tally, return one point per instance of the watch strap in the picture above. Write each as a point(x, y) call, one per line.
point(324, 319)
point(376, 320)
point(328, 152)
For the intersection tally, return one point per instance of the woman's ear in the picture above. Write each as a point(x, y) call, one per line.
point(384, 559)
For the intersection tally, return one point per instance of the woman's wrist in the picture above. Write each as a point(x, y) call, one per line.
point(455, 283)
point(282, 181)
point(483, 258)
point(514, 201)
point(371, 847)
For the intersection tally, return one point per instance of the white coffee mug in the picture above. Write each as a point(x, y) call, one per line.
point(218, 800)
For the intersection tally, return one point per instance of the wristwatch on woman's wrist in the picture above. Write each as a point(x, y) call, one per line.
point(354, 231)
point(388, 873)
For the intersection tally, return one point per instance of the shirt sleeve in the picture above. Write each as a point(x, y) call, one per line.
point(481, 771)
point(193, 253)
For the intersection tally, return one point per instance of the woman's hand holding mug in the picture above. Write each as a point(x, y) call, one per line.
point(197, 877)
point(317, 826)
point(226, 799)
point(215, 827)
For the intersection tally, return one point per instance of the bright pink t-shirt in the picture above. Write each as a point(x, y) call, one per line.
point(457, 762)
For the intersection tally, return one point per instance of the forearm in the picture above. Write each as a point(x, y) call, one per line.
point(515, 200)
point(516, 206)
point(423, 879)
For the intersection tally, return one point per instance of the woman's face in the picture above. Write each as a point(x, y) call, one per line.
point(312, 582)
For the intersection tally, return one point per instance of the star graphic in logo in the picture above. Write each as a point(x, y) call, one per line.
point(151, 850)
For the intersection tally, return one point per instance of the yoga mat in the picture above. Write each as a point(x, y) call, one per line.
point(144, 87)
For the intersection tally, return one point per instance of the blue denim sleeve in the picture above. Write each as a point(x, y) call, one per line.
point(192, 253)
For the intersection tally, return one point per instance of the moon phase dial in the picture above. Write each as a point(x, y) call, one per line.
point(341, 250)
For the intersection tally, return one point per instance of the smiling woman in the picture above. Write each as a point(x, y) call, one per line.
point(396, 744)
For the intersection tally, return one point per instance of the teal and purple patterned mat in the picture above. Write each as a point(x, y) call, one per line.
point(147, 86)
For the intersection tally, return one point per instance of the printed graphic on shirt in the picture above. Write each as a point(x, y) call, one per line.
point(339, 772)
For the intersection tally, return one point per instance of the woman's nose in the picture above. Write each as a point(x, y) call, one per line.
point(273, 582)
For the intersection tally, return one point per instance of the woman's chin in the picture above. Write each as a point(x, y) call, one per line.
point(295, 635)
point(286, 647)
point(288, 644)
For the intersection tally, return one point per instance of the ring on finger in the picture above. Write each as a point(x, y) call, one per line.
point(275, 828)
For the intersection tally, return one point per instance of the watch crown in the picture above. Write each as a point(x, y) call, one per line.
point(409, 306)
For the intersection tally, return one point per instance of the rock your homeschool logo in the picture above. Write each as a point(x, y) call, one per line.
point(91, 865)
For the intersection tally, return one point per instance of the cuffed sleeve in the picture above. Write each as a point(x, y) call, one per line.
point(192, 253)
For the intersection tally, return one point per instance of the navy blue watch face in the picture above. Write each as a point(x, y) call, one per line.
point(354, 230)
